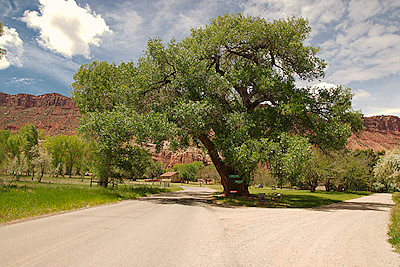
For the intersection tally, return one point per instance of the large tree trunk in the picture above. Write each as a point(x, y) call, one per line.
point(313, 184)
point(230, 187)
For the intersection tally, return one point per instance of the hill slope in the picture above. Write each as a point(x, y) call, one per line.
point(54, 113)
point(381, 133)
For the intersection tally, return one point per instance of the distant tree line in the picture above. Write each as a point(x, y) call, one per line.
point(28, 152)
point(292, 162)
point(297, 166)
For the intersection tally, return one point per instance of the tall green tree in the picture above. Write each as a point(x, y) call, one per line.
point(154, 170)
point(188, 172)
point(41, 162)
point(29, 139)
point(109, 132)
point(229, 87)
point(317, 170)
point(56, 147)
point(288, 158)
point(4, 135)
point(15, 156)
point(350, 173)
point(132, 161)
point(14, 146)
point(74, 152)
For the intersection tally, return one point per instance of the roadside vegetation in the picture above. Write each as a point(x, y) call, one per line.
point(394, 227)
point(24, 199)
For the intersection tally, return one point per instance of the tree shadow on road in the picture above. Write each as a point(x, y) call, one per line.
point(181, 198)
point(349, 205)
point(307, 201)
point(179, 201)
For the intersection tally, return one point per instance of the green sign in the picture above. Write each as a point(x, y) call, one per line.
point(234, 176)
point(238, 181)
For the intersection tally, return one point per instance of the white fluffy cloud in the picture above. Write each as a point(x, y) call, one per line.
point(361, 95)
point(318, 12)
point(20, 81)
point(355, 37)
point(65, 27)
point(365, 47)
point(126, 25)
point(181, 16)
point(14, 46)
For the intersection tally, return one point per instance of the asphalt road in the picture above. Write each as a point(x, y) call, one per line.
point(185, 229)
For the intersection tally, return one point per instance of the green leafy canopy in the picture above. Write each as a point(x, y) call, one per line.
point(229, 87)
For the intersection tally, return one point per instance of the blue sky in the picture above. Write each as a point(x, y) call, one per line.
point(47, 40)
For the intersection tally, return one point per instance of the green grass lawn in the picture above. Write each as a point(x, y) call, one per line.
point(394, 227)
point(291, 198)
point(27, 199)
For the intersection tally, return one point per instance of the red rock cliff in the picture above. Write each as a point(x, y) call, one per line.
point(54, 113)
point(29, 101)
point(381, 133)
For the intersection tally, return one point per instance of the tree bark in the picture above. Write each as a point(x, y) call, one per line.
point(230, 188)
point(313, 184)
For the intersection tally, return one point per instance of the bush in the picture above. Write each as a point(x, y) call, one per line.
point(394, 227)
point(387, 171)
point(188, 172)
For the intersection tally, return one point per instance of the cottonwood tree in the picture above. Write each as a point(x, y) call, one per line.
point(14, 147)
point(56, 147)
point(288, 157)
point(132, 161)
point(4, 135)
point(188, 172)
point(67, 152)
point(317, 170)
point(154, 170)
point(29, 139)
point(42, 161)
point(108, 131)
point(74, 152)
point(228, 87)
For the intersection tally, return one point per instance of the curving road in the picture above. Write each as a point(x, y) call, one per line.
point(184, 229)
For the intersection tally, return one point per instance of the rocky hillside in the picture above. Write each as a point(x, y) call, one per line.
point(54, 113)
point(57, 114)
point(381, 133)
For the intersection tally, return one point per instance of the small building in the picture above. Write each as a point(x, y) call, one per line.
point(172, 176)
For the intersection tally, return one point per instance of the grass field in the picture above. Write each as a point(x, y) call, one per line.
point(394, 227)
point(28, 199)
